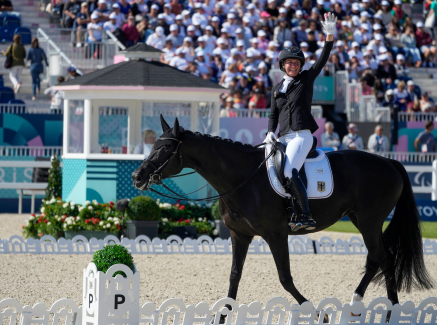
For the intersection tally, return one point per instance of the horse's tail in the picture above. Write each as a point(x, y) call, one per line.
point(403, 242)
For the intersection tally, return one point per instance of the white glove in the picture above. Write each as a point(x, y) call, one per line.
point(329, 23)
point(270, 138)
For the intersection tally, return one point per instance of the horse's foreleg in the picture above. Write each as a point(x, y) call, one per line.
point(240, 245)
point(279, 248)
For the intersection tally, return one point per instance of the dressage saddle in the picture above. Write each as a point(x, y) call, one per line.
point(279, 158)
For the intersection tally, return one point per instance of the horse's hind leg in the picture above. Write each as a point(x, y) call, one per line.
point(376, 258)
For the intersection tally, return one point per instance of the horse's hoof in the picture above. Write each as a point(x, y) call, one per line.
point(222, 319)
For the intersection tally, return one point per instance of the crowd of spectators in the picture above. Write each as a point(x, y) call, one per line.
point(235, 42)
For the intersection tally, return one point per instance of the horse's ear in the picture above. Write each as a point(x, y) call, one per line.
point(164, 124)
point(175, 132)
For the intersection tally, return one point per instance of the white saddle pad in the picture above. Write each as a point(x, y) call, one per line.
point(320, 183)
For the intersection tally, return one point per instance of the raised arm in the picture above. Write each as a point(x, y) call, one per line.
point(329, 27)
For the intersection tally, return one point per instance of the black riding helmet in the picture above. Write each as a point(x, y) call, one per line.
point(291, 53)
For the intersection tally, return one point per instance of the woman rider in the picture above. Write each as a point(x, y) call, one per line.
point(291, 107)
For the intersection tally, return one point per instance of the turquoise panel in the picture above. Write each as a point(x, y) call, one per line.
point(77, 193)
point(102, 190)
point(20, 125)
point(324, 89)
point(74, 177)
point(53, 134)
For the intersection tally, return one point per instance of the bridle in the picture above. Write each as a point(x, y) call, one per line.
point(156, 176)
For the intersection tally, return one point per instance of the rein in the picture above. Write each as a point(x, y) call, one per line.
point(156, 176)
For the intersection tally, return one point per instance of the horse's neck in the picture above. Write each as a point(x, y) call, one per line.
point(222, 165)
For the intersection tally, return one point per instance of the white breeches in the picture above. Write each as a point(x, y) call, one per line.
point(298, 146)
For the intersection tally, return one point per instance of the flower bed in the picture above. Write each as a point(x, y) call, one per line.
point(190, 214)
point(58, 216)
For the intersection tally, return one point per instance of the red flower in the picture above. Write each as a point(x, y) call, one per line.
point(180, 220)
point(33, 214)
point(46, 221)
point(177, 204)
point(111, 203)
point(87, 221)
point(98, 213)
point(22, 226)
point(118, 226)
point(40, 234)
point(181, 207)
point(187, 221)
point(178, 201)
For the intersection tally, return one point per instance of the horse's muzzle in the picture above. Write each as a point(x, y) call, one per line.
point(138, 181)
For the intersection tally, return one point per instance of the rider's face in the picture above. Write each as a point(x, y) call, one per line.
point(292, 67)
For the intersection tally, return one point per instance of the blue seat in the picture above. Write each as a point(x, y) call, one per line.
point(6, 34)
point(7, 94)
point(12, 22)
point(26, 35)
point(16, 101)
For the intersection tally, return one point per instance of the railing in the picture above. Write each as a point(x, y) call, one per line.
point(409, 157)
point(416, 117)
point(341, 82)
point(24, 151)
point(27, 109)
point(362, 108)
point(353, 95)
point(316, 111)
point(382, 114)
point(59, 62)
point(80, 52)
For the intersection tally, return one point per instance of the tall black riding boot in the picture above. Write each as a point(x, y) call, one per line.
point(296, 188)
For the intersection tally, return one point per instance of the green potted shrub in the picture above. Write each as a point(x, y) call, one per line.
point(223, 231)
point(143, 215)
point(111, 255)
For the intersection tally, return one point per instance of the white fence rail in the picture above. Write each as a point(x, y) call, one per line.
point(316, 111)
point(276, 311)
point(341, 83)
point(73, 49)
point(410, 157)
point(24, 151)
point(175, 245)
point(30, 108)
point(362, 108)
point(417, 117)
point(59, 62)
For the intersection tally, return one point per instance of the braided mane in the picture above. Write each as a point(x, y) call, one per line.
point(228, 141)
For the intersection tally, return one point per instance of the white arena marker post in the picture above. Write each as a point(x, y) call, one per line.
point(108, 299)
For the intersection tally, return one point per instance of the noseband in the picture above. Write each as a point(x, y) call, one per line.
point(156, 176)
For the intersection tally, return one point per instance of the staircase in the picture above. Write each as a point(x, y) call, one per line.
point(426, 79)
point(33, 18)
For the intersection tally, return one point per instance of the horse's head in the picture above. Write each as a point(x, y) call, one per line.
point(164, 160)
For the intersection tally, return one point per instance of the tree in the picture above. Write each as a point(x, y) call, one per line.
point(54, 187)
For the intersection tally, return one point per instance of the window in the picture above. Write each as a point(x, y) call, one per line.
point(76, 126)
point(112, 134)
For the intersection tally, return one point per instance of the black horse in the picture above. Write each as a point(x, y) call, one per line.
point(367, 188)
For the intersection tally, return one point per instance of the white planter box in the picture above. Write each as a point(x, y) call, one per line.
point(111, 300)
